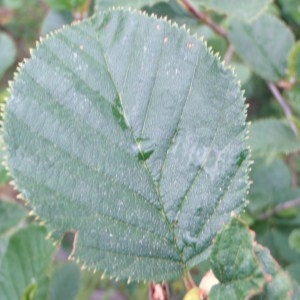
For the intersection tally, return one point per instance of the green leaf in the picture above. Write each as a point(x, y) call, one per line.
point(294, 240)
point(127, 130)
point(4, 178)
point(24, 266)
point(243, 73)
point(294, 62)
point(275, 237)
point(65, 282)
point(293, 97)
point(290, 9)
point(7, 52)
point(296, 290)
point(243, 9)
point(255, 43)
point(271, 137)
point(10, 216)
point(271, 180)
point(55, 20)
point(13, 4)
point(279, 285)
point(65, 5)
point(175, 12)
point(294, 271)
point(105, 4)
point(235, 265)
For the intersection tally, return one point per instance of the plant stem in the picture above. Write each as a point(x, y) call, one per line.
point(188, 281)
point(228, 55)
point(279, 207)
point(290, 160)
point(205, 19)
point(285, 107)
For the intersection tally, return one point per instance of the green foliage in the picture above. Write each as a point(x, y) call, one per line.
point(125, 131)
point(294, 240)
point(279, 285)
point(55, 20)
point(7, 52)
point(290, 9)
point(238, 8)
point(235, 265)
point(101, 5)
point(269, 137)
point(23, 274)
point(294, 62)
point(271, 183)
point(163, 157)
point(255, 44)
point(246, 269)
point(65, 282)
point(65, 5)
point(14, 4)
point(11, 215)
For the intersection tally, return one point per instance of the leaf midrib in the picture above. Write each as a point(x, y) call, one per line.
point(155, 187)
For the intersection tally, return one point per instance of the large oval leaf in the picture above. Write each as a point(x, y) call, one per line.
point(127, 130)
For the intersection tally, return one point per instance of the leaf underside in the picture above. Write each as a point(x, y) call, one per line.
point(127, 130)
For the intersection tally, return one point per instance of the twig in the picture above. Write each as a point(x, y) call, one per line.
point(205, 19)
point(279, 208)
point(229, 53)
point(188, 281)
point(290, 160)
point(286, 109)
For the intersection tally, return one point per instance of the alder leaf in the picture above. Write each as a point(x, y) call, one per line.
point(271, 137)
point(8, 52)
point(101, 5)
point(279, 284)
point(65, 282)
point(128, 131)
point(23, 269)
point(243, 9)
point(10, 216)
point(294, 62)
point(235, 265)
point(264, 44)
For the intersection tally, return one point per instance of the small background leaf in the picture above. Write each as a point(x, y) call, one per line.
point(294, 62)
point(235, 265)
point(25, 272)
point(65, 282)
point(105, 4)
point(280, 285)
point(294, 240)
point(55, 20)
point(271, 182)
point(239, 8)
point(255, 43)
point(291, 10)
point(10, 216)
point(269, 137)
point(65, 5)
point(7, 52)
